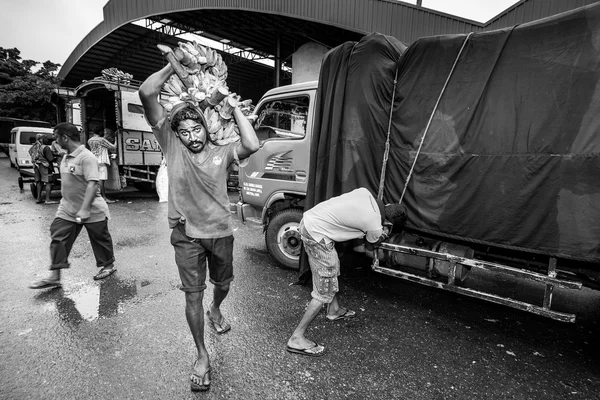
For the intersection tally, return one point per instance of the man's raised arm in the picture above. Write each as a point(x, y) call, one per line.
point(248, 140)
point(149, 92)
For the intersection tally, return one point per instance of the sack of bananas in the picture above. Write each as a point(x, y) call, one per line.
point(116, 75)
point(200, 80)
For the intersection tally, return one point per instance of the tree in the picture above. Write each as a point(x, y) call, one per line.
point(23, 92)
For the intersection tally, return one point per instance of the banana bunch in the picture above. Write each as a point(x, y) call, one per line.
point(200, 80)
point(114, 74)
point(221, 127)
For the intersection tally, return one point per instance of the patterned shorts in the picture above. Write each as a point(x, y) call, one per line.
point(324, 265)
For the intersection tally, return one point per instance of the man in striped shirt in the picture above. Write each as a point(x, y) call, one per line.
point(99, 147)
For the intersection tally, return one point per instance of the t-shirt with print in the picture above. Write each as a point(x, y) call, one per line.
point(349, 216)
point(99, 147)
point(76, 170)
point(197, 184)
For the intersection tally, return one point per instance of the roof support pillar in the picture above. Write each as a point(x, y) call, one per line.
point(277, 71)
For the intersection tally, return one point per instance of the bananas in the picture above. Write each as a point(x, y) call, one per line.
point(114, 74)
point(201, 81)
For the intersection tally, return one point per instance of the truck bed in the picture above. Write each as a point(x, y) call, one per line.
point(502, 125)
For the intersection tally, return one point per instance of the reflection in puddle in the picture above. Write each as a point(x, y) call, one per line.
point(96, 300)
point(89, 301)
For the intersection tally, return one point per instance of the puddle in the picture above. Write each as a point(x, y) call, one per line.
point(88, 302)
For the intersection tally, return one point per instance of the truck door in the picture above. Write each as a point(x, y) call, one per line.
point(281, 164)
point(12, 147)
point(139, 145)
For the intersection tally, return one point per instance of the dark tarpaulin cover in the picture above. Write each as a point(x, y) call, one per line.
point(511, 158)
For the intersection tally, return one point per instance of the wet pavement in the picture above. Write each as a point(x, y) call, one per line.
point(126, 337)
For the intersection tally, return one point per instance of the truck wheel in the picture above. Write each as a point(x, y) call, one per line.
point(283, 239)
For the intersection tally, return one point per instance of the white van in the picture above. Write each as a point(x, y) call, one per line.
point(21, 139)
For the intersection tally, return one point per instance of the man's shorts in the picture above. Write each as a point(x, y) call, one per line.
point(191, 255)
point(41, 173)
point(324, 265)
point(102, 171)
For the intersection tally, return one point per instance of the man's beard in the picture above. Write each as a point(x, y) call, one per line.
point(196, 147)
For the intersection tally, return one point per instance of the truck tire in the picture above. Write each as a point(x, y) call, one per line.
point(283, 239)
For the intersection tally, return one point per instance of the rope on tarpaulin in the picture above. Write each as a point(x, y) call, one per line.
point(431, 116)
point(386, 153)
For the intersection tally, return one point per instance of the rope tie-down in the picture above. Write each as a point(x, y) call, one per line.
point(386, 153)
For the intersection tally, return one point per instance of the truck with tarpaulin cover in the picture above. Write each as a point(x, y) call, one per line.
point(489, 139)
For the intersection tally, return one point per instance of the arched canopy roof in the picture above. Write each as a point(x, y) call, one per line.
point(265, 26)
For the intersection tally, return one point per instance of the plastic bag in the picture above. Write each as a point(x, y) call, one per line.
point(114, 180)
point(162, 182)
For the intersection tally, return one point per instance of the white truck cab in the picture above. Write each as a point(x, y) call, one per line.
point(273, 180)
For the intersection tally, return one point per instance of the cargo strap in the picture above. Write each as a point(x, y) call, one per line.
point(430, 119)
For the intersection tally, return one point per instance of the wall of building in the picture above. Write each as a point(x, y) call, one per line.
point(306, 62)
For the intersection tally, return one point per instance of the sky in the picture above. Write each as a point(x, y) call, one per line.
point(51, 29)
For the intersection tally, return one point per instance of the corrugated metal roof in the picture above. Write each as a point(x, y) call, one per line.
point(258, 23)
point(530, 10)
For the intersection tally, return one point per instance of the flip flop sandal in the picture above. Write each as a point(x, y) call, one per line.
point(345, 315)
point(220, 326)
point(317, 350)
point(45, 283)
point(104, 273)
point(197, 382)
